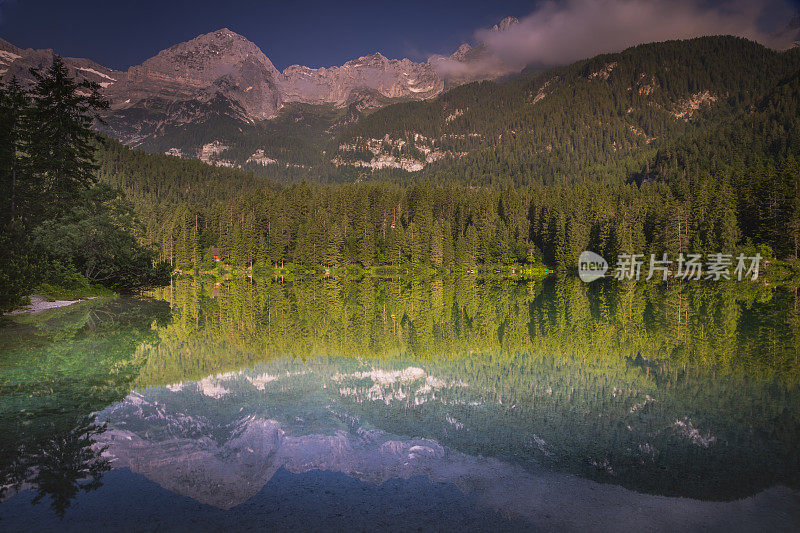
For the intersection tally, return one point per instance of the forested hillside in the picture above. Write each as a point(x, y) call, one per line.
point(763, 130)
point(189, 207)
point(668, 147)
point(601, 118)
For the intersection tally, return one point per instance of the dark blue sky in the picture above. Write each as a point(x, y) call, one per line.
point(315, 33)
point(308, 32)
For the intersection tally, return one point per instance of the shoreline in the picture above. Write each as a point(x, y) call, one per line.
point(39, 304)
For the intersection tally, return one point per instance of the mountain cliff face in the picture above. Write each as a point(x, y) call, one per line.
point(370, 76)
point(16, 63)
point(225, 63)
point(220, 84)
point(221, 62)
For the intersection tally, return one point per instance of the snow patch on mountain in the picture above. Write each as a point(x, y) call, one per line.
point(96, 73)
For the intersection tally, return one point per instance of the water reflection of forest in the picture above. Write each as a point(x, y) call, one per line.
point(685, 389)
point(742, 328)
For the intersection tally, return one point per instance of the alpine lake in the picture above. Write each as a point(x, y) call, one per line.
point(404, 404)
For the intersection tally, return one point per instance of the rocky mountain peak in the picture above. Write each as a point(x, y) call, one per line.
point(370, 79)
point(223, 74)
point(473, 63)
point(6, 46)
point(224, 34)
point(221, 62)
point(16, 62)
point(461, 53)
point(376, 59)
point(505, 24)
point(224, 42)
point(8, 54)
point(208, 54)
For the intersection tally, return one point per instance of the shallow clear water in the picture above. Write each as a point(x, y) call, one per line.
point(380, 404)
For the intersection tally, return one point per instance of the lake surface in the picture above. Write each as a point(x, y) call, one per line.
point(455, 404)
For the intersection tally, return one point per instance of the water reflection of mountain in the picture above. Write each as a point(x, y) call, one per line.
point(237, 440)
point(685, 390)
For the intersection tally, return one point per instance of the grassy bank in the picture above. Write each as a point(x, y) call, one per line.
point(56, 292)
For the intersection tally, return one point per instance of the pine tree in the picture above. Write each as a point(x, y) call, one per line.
point(61, 143)
point(14, 103)
point(470, 248)
point(448, 251)
point(332, 256)
point(437, 244)
point(792, 195)
point(562, 250)
point(726, 227)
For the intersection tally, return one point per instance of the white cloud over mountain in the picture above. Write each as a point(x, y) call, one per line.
point(562, 32)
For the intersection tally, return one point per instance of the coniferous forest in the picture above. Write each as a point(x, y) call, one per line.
point(725, 180)
point(621, 173)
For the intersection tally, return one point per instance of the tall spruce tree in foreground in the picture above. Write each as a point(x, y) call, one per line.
point(61, 143)
point(14, 103)
point(17, 273)
point(58, 225)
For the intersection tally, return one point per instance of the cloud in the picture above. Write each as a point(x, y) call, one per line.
point(558, 33)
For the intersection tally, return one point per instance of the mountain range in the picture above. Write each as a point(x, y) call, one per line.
point(223, 77)
point(218, 98)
